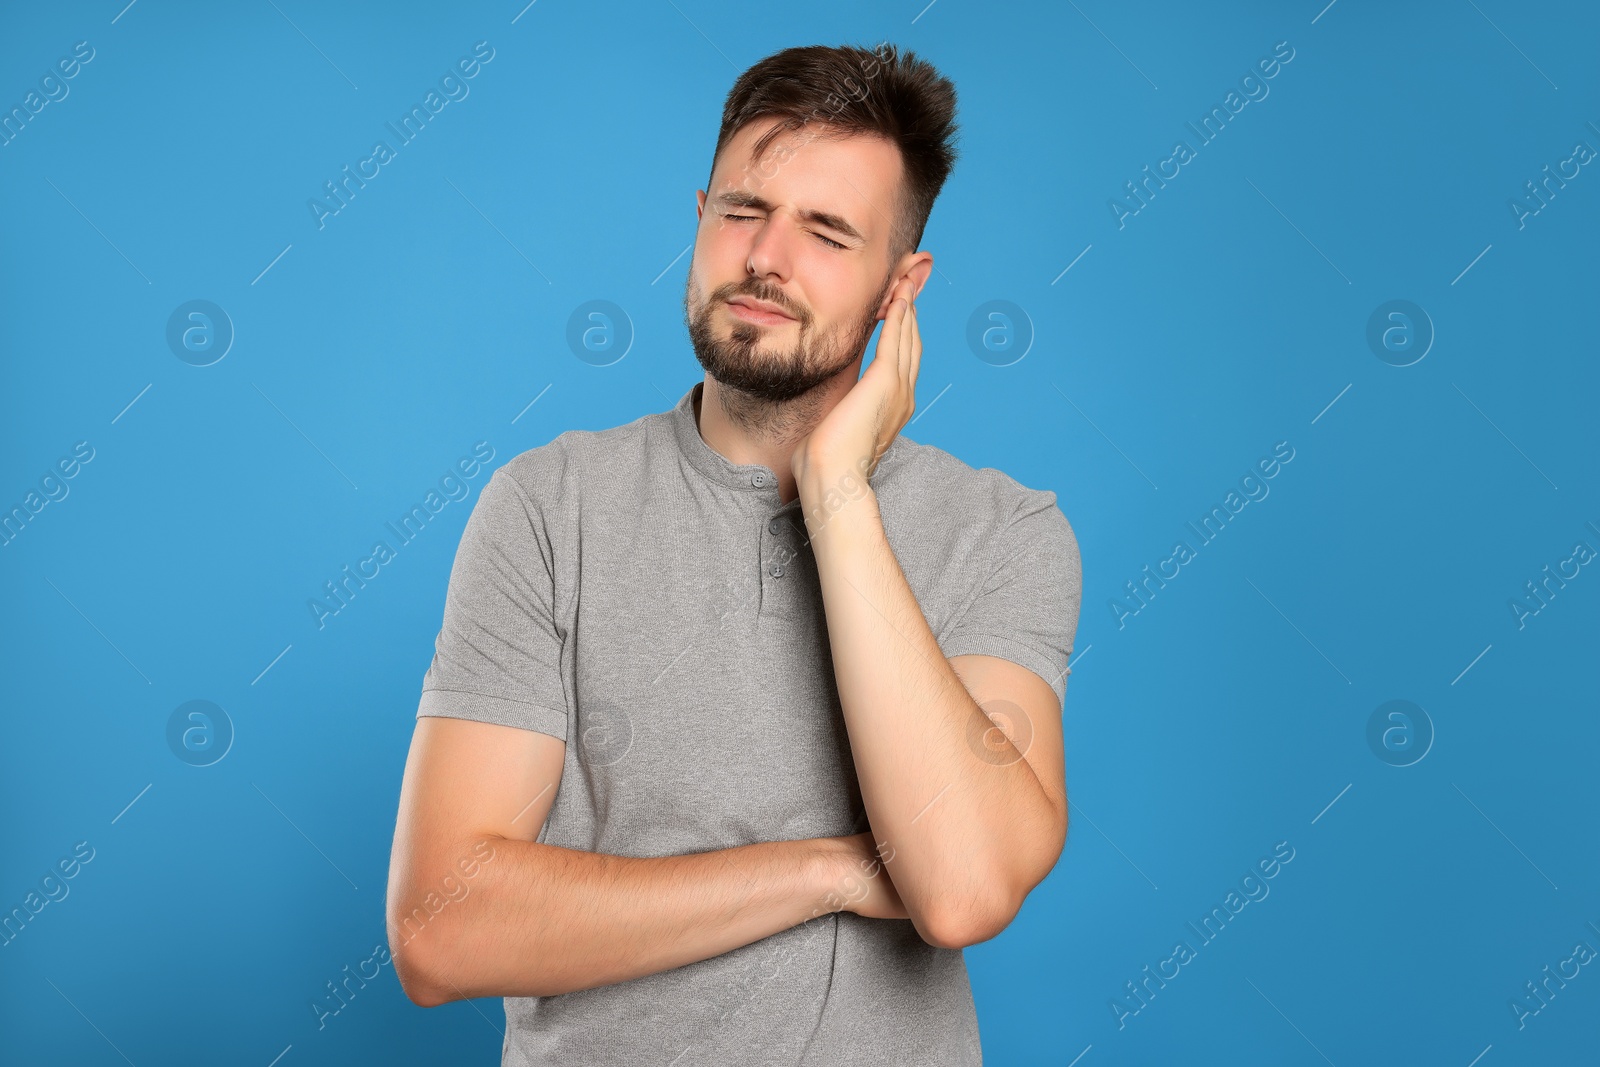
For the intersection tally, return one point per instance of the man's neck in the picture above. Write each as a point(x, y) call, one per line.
point(745, 431)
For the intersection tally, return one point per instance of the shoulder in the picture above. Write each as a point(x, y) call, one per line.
point(930, 481)
point(552, 471)
point(973, 520)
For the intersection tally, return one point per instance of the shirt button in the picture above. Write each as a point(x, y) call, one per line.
point(775, 525)
point(777, 570)
point(758, 479)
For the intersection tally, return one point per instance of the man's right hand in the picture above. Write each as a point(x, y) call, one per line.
point(861, 881)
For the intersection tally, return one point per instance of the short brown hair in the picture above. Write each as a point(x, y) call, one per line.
point(852, 91)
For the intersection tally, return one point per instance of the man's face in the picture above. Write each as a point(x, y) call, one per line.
point(805, 229)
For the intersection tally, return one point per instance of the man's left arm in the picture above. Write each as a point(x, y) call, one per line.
point(969, 811)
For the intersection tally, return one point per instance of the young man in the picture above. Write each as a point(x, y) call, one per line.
point(745, 717)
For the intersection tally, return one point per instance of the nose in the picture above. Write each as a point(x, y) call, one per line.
point(771, 255)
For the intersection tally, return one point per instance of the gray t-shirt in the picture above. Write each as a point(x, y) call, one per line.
point(635, 593)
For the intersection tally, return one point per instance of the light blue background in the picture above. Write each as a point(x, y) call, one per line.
point(1228, 315)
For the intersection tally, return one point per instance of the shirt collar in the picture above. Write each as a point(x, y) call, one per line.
point(751, 477)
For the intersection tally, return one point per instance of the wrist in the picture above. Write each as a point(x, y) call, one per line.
point(821, 471)
point(827, 874)
point(828, 488)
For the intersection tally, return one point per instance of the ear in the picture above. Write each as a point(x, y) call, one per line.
point(700, 203)
point(916, 266)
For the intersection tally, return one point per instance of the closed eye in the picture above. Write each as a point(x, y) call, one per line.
point(818, 236)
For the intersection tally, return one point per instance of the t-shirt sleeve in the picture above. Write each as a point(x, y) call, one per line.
point(1026, 608)
point(498, 654)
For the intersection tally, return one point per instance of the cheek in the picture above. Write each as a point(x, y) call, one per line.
point(847, 296)
point(724, 248)
point(831, 282)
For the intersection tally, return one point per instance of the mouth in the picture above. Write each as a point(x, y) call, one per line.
point(758, 312)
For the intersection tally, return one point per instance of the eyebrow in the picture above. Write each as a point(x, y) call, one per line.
point(740, 198)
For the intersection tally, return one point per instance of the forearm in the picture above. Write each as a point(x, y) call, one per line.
point(543, 920)
point(964, 830)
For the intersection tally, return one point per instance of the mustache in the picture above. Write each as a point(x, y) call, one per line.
point(768, 295)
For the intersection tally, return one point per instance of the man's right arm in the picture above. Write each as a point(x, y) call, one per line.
point(539, 920)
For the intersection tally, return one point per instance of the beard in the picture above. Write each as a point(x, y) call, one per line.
point(760, 375)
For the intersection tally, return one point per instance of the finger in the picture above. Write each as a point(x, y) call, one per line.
point(916, 348)
point(903, 293)
point(893, 330)
point(902, 362)
point(908, 329)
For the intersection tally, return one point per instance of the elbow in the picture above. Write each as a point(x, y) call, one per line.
point(427, 935)
point(961, 927)
point(411, 966)
point(419, 941)
point(987, 907)
point(420, 995)
point(991, 904)
point(417, 977)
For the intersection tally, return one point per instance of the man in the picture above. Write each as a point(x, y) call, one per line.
point(745, 717)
